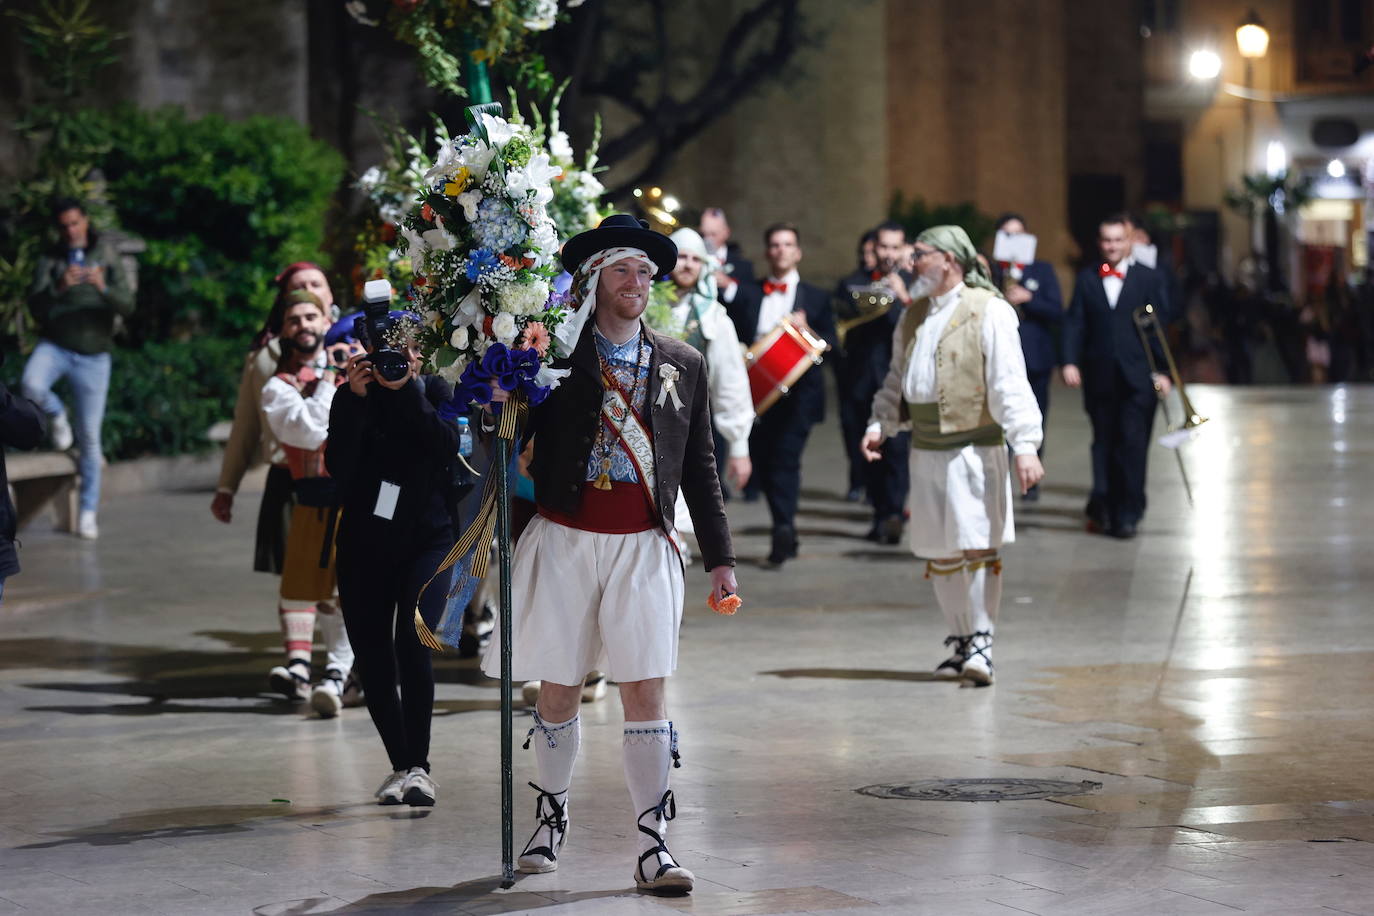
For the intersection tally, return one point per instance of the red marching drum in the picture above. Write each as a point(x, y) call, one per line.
point(778, 359)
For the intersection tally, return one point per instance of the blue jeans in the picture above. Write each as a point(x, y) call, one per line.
point(89, 377)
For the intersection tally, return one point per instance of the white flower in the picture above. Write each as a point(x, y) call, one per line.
point(444, 165)
point(503, 328)
point(572, 4)
point(431, 318)
point(440, 239)
point(469, 312)
point(499, 131)
point(522, 298)
point(588, 186)
point(369, 179)
point(540, 14)
point(469, 200)
point(390, 213)
point(544, 239)
point(415, 247)
point(535, 176)
point(476, 158)
point(454, 372)
point(559, 148)
point(459, 339)
point(550, 378)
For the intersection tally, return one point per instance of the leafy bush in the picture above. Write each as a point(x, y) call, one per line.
point(223, 205)
point(164, 397)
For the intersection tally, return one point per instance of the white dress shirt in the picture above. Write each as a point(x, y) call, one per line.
point(1010, 399)
point(777, 305)
point(732, 404)
point(295, 419)
point(1112, 285)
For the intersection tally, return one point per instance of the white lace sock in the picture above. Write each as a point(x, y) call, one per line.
point(950, 579)
point(650, 752)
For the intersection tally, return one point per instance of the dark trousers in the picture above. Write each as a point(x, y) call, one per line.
point(776, 447)
point(1040, 386)
point(889, 478)
point(378, 603)
point(1122, 417)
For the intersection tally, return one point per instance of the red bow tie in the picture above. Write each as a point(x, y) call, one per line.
point(876, 275)
point(769, 287)
point(1008, 265)
point(1106, 270)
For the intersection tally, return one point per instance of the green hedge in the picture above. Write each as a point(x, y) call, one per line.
point(164, 397)
point(223, 206)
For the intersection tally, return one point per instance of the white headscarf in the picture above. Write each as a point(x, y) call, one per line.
point(584, 286)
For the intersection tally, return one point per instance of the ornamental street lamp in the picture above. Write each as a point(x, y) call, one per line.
point(1252, 39)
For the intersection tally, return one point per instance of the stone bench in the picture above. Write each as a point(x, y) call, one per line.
point(38, 478)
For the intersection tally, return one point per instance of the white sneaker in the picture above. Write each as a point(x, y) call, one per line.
point(85, 525)
point(291, 681)
point(60, 431)
point(390, 791)
point(327, 697)
point(418, 789)
point(530, 692)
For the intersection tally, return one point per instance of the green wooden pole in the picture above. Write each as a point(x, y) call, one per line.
point(479, 92)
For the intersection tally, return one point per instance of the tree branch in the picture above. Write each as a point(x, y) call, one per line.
point(668, 123)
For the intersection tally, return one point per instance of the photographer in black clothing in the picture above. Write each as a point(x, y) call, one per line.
point(391, 453)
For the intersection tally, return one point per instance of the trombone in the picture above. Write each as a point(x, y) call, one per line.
point(1147, 323)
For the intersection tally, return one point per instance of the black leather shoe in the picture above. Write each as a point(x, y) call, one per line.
point(855, 494)
point(890, 531)
point(784, 547)
point(1124, 531)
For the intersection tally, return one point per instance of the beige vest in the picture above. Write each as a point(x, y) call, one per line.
point(960, 376)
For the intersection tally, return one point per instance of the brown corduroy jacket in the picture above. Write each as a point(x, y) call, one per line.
point(564, 429)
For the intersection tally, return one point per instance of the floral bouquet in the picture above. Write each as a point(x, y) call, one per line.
point(576, 205)
point(484, 250)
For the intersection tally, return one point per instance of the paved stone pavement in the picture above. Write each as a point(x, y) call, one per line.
point(1207, 686)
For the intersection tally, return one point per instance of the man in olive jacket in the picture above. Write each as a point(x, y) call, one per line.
point(78, 289)
point(597, 582)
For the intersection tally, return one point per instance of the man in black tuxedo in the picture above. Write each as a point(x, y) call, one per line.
point(735, 268)
point(867, 350)
point(1033, 290)
point(1119, 392)
point(780, 434)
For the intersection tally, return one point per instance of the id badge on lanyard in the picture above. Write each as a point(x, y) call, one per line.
point(386, 500)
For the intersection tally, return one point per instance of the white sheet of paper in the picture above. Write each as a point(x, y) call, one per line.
point(1019, 249)
point(386, 500)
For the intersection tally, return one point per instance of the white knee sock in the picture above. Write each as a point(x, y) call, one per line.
point(984, 593)
point(650, 751)
point(297, 628)
point(951, 582)
point(555, 753)
point(339, 653)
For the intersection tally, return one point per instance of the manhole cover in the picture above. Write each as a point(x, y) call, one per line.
point(975, 790)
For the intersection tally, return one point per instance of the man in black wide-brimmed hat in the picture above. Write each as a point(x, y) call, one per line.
point(596, 580)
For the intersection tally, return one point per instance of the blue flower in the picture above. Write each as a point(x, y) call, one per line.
point(480, 262)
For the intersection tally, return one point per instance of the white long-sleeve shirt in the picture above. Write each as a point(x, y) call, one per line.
point(727, 382)
point(297, 420)
point(1010, 399)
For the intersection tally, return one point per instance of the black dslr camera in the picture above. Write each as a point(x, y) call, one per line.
point(372, 326)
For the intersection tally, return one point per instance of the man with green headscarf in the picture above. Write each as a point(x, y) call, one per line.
point(958, 382)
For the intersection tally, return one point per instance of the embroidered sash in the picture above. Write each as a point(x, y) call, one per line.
point(622, 420)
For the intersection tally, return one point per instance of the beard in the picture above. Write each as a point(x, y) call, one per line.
point(923, 286)
point(303, 342)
